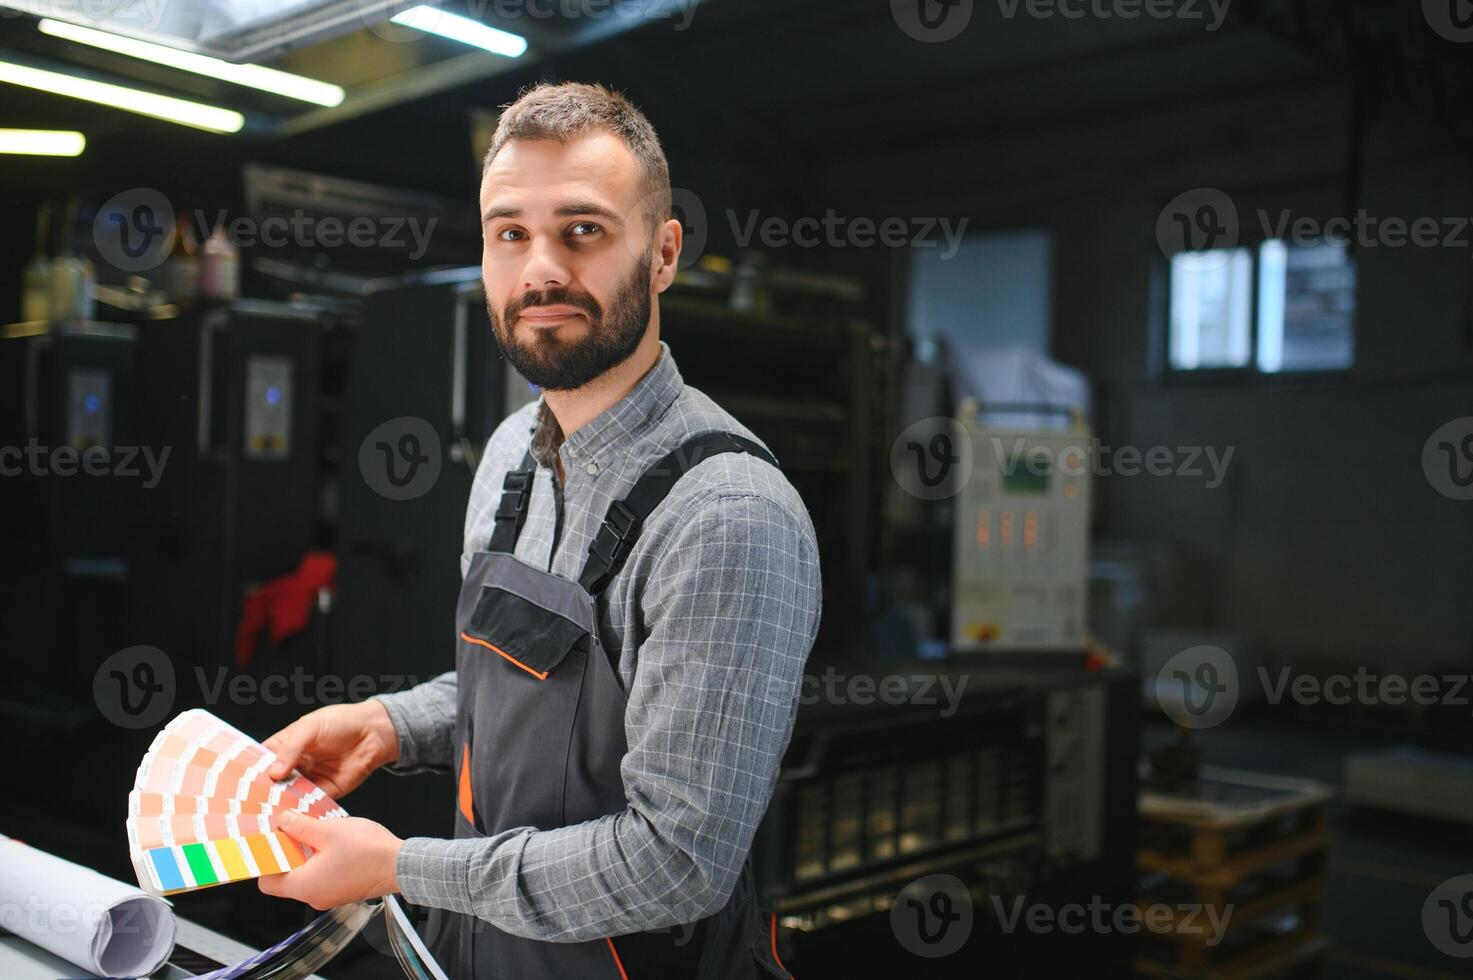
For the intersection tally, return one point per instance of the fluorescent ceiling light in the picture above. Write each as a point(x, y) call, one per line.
point(254, 76)
point(42, 142)
point(432, 20)
point(181, 111)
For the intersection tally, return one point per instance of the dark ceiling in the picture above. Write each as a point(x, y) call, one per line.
point(780, 85)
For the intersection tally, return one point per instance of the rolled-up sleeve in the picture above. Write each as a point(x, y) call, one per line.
point(424, 721)
point(733, 605)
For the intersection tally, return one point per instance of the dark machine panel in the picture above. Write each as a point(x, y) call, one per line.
point(1025, 793)
point(70, 484)
point(426, 389)
point(234, 392)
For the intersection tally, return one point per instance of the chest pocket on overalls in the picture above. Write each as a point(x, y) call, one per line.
point(529, 680)
point(523, 633)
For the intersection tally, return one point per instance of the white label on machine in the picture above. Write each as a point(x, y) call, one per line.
point(1022, 543)
point(268, 408)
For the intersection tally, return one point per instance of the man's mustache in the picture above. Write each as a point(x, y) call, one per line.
point(554, 297)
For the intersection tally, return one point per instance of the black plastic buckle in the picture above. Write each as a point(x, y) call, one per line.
point(611, 543)
point(511, 506)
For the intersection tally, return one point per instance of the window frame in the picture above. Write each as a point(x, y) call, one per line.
point(1250, 373)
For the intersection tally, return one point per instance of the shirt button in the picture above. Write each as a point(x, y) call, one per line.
point(592, 468)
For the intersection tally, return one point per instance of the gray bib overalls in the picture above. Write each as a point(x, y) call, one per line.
point(539, 735)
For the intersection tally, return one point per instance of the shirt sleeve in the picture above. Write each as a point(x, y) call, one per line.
point(424, 721)
point(733, 607)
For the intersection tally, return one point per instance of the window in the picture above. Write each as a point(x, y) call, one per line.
point(1278, 308)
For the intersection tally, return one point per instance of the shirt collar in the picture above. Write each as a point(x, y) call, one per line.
point(630, 415)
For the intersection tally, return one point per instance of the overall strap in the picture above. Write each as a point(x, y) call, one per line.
point(511, 513)
point(625, 518)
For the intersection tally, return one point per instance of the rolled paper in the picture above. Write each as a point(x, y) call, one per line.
point(95, 922)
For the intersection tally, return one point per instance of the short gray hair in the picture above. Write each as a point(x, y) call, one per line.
point(562, 111)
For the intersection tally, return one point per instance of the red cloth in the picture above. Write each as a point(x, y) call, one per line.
point(284, 604)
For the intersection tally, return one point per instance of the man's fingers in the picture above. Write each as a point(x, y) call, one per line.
point(300, 827)
point(274, 885)
point(289, 744)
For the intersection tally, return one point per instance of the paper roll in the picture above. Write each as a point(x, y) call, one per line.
point(102, 925)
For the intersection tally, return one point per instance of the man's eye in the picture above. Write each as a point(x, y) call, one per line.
point(584, 228)
point(510, 234)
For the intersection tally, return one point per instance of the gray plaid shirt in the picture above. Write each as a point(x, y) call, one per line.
point(713, 617)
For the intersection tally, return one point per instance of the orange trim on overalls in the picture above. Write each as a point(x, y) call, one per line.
point(466, 799)
point(617, 962)
point(775, 957)
point(541, 675)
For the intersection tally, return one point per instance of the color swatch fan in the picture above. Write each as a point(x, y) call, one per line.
point(200, 811)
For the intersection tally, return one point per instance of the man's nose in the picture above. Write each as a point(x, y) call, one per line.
point(545, 267)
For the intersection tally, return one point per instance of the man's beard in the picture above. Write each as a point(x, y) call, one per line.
point(559, 365)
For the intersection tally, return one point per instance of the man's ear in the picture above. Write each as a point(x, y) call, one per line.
point(668, 240)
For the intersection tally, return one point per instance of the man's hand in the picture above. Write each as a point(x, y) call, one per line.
point(336, 747)
point(353, 859)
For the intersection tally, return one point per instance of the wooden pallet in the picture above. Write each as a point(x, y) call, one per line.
point(1251, 848)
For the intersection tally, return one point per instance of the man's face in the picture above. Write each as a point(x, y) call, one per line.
point(568, 260)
